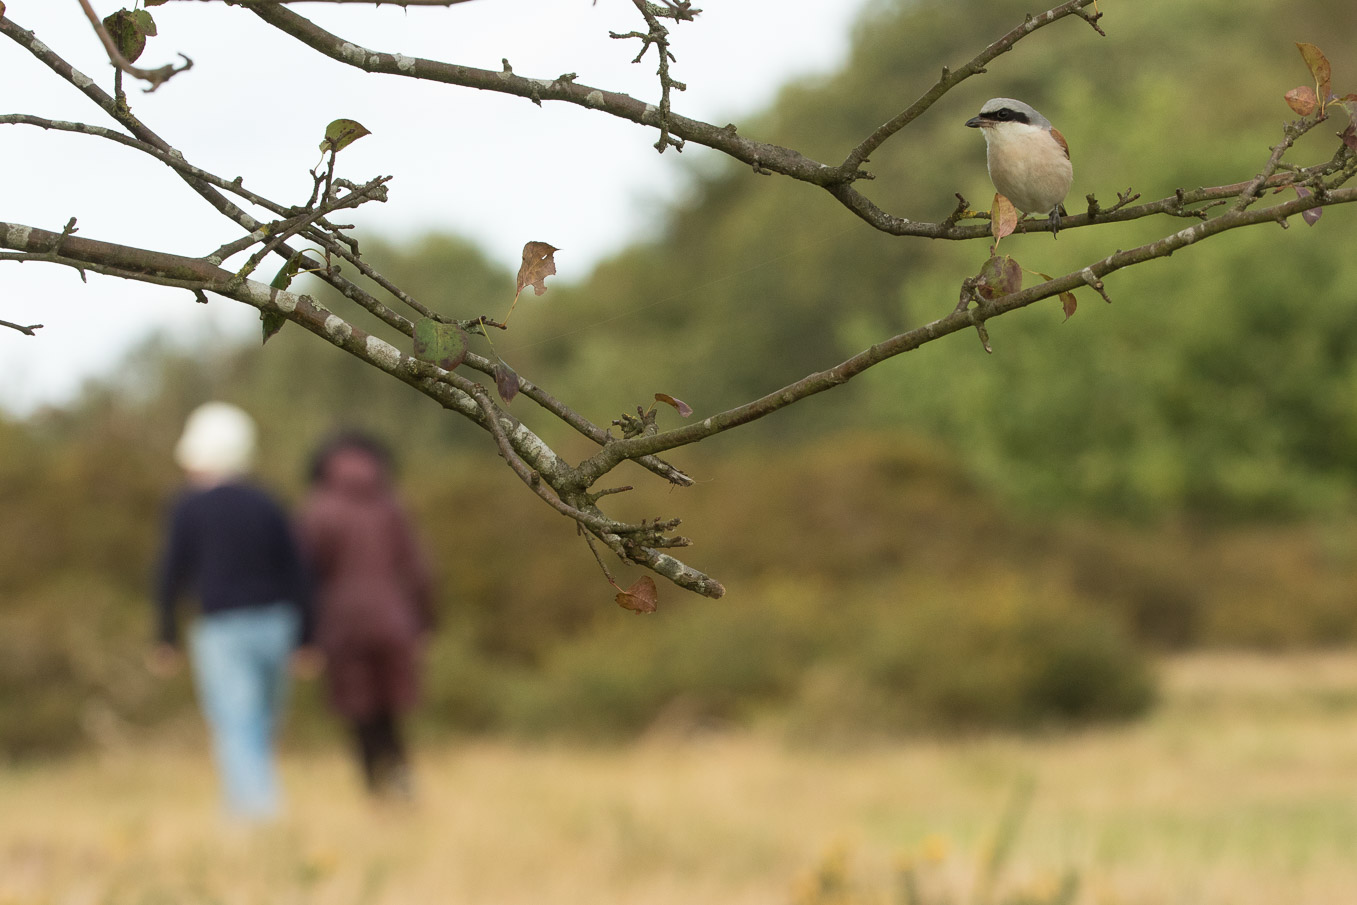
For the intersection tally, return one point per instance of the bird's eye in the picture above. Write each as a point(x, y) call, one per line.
point(1005, 113)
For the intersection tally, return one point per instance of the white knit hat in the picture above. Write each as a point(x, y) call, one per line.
point(218, 440)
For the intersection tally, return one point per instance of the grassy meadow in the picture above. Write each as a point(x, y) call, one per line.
point(1239, 788)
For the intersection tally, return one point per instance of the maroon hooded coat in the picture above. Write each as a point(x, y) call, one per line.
point(372, 586)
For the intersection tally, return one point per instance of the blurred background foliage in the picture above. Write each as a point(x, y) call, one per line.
point(953, 542)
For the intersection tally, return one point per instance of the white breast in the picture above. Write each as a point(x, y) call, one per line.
point(1028, 167)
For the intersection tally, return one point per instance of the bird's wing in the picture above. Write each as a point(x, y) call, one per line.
point(1060, 140)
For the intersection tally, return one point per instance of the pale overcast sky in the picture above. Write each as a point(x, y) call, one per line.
point(256, 104)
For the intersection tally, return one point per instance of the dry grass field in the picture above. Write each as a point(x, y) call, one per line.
point(1241, 788)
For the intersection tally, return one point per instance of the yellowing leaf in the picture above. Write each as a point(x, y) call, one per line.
point(1302, 100)
point(538, 264)
point(1003, 218)
point(641, 597)
point(1319, 68)
point(341, 133)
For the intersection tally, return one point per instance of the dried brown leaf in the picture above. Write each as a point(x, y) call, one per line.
point(1302, 100)
point(538, 264)
point(641, 597)
point(684, 409)
point(506, 382)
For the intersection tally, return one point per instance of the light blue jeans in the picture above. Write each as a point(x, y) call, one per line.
point(240, 660)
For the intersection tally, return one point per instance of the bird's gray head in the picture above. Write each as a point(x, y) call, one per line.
point(999, 110)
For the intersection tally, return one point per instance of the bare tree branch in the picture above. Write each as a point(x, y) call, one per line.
point(28, 330)
point(961, 318)
point(950, 78)
point(367, 2)
point(551, 478)
point(569, 489)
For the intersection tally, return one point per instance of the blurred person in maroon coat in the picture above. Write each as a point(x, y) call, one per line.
point(373, 606)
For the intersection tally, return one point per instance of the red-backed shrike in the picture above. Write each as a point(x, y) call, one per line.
point(1029, 161)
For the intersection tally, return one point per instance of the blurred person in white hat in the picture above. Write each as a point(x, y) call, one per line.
point(229, 547)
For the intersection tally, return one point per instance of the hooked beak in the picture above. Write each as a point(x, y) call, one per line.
point(975, 122)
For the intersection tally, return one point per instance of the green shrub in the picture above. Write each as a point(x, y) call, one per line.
point(709, 663)
point(1003, 655)
point(842, 661)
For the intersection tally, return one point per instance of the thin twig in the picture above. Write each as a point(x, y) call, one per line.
point(155, 77)
point(25, 330)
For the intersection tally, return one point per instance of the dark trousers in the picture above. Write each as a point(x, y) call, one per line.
point(381, 754)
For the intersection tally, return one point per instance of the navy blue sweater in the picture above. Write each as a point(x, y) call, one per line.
point(230, 547)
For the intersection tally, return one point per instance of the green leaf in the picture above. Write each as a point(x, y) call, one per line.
point(442, 344)
point(283, 279)
point(145, 23)
point(341, 133)
point(273, 322)
point(126, 33)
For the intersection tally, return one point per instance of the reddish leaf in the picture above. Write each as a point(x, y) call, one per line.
point(1319, 68)
point(538, 264)
point(1000, 276)
point(641, 597)
point(684, 408)
point(1312, 215)
point(506, 381)
point(1349, 135)
point(1003, 218)
point(1067, 299)
point(1302, 100)
point(1069, 303)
